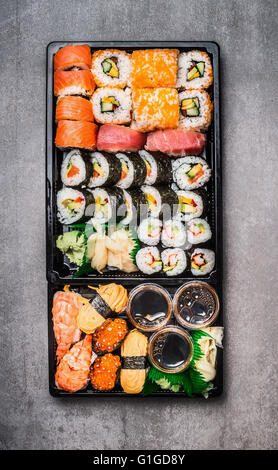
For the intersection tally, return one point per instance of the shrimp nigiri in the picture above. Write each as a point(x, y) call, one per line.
point(66, 306)
point(73, 371)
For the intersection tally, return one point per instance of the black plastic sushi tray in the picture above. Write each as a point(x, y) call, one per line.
point(60, 271)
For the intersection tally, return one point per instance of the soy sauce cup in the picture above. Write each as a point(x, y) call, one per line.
point(196, 305)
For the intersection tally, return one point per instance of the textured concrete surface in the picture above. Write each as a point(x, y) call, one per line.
point(246, 416)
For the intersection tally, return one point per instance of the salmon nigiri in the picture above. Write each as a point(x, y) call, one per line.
point(66, 306)
point(74, 108)
point(77, 134)
point(73, 82)
point(78, 56)
point(73, 371)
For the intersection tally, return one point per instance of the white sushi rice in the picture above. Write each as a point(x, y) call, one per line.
point(74, 90)
point(64, 214)
point(185, 61)
point(208, 256)
point(194, 231)
point(101, 216)
point(179, 258)
point(143, 257)
point(123, 64)
point(129, 208)
point(149, 231)
point(173, 234)
point(184, 181)
point(202, 121)
point(151, 179)
point(154, 210)
point(198, 210)
point(121, 115)
point(128, 180)
point(97, 157)
point(75, 158)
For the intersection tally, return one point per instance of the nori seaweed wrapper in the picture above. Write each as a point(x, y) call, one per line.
point(101, 306)
point(164, 168)
point(169, 201)
point(115, 169)
point(134, 362)
point(140, 170)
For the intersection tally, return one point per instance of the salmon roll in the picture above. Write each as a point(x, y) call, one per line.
point(155, 109)
point(76, 134)
point(111, 67)
point(154, 68)
point(73, 56)
point(73, 82)
point(112, 105)
point(194, 70)
point(74, 108)
point(195, 110)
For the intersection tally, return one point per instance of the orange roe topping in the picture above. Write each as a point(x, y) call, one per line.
point(103, 373)
point(109, 335)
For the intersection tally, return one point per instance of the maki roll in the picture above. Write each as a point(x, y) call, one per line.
point(190, 205)
point(194, 70)
point(148, 260)
point(195, 110)
point(109, 335)
point(198, 231)
point(75, 170)
point(193, 173)
point(159, 170)
point(111, 67)
point(112, 105)
point(104, 372)
point(174, 261)
point(149, 231)
point(107, 203)
point(173, 234)
point(202, 261)
point(71, 205)
point(160, 199)
point(133, 171)
point(155, 108)
point(134, 198)
point(134, 367)
point(154, 68)
point(106, 170)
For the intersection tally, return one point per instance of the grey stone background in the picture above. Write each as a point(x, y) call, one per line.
point(246, 415)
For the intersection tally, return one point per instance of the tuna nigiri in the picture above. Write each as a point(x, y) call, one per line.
point(66, 306)
point(73, 82)
point(77, 134)
point(176, 142)
point(113, 138)
point(78, 56)
point(73, 371)
point(74, 108)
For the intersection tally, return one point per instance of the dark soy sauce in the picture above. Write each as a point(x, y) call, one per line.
point(196, 305)
point(171, 350)
point(149, 307)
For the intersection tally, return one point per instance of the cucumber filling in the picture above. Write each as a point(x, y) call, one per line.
point(109, 104)
point(196, 70)
point(190, 107)
point(110, 68)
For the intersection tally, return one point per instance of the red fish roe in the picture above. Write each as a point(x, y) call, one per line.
point(104, 371)
point(109, 335)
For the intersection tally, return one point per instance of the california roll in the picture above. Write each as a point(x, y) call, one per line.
point(174, 261)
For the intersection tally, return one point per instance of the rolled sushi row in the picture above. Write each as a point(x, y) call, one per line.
point(173, 233)
point(173, 261)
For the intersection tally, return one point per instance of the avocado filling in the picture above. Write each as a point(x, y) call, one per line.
point(152, 203)
point(73, 205)
point(198, 262)
point(171, 264)
point(110, 68)
point(196, 70)
point(109, 104)
point(97, 170)
point(151, 261)
point(187, 206)
point(190, 107)
point(197, 229)
point(195, 172)
point(101, 205)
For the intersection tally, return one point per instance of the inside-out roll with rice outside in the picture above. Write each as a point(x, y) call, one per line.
point(71, 205)
point(133, 170)
point(174, 261)
point(194, 70)
point(111, 67)
point(191, 173)
point(173, 234)
point(106, 170)
point(76, 170)
point(112, 105)
point(198, 231)
point(195, 110)
point(202, 261)
point(148, 260)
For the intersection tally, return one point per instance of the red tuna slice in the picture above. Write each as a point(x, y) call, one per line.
point(176, 142)
point(113, 138)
